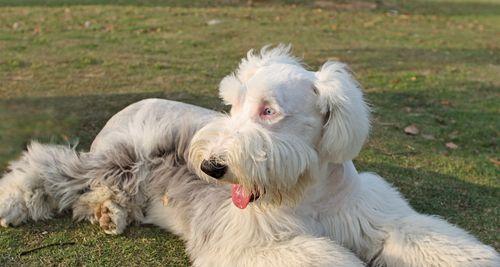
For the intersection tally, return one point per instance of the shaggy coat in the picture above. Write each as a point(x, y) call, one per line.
point(271, 184)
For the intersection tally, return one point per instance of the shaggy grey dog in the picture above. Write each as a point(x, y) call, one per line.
point(271, 184)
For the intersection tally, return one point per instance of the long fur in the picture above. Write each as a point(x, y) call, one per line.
point(314, 208)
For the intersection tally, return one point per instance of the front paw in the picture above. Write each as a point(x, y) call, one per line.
point(111, 217)
point(13, 210)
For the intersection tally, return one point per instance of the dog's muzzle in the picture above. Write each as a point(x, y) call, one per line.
point(213, 168)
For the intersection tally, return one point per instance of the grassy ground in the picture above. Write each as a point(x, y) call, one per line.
point(67, 66)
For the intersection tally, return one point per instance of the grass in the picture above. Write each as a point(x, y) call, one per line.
point(67, 66)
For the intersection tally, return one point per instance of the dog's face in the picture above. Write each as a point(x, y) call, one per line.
point(285, 121)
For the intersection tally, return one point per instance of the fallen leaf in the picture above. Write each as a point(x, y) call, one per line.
point(109, 27)
point(495, 161)
point(16, 25)
point(37, 29)
point(451, 145)
point(411, 129)
point(445, 102)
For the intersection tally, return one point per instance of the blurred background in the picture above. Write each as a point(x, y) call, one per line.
point(430, 69)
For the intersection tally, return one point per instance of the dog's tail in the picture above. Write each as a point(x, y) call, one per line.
point(46, 178)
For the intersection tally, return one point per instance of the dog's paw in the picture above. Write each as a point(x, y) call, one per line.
point(13, 209)
point(111, 217)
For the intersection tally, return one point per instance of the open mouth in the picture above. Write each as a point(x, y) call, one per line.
point(240, 198)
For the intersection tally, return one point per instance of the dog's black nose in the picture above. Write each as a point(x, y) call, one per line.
point(213, 168)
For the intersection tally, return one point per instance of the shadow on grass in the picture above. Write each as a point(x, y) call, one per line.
point(94, 110)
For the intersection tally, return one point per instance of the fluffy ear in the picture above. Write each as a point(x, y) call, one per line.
point(347, 116)
point(230, 89)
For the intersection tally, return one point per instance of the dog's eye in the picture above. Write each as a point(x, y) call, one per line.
point(267, 111)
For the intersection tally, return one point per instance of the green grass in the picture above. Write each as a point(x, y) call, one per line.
point(434, 64)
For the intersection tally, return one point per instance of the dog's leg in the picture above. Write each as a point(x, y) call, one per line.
point(16, 191)
point(421, 240)
point(413, 239)
point(302, 250)
point(45, 180)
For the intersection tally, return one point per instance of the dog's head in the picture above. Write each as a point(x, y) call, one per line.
point(285, 122)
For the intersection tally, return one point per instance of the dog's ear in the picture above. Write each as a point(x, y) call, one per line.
point(347, 116)
point(230, 89)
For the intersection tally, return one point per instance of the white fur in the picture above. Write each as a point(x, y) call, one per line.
point(348, 116)
point(314, 208)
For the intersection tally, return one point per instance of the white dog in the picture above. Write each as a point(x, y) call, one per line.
point(278, 185)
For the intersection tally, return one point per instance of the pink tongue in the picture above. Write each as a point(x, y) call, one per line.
point(240, 199)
